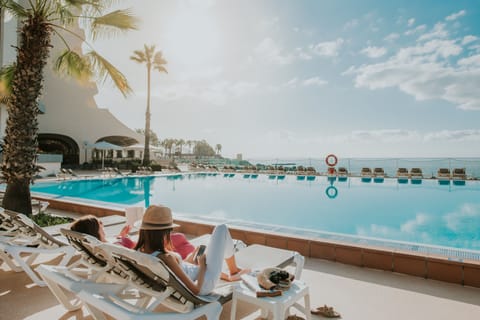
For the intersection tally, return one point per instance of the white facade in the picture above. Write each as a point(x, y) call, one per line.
point(71, 115)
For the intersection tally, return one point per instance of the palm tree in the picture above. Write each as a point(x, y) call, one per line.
point(218, 148)
point(180, 143)
point(169, 145)
point(189, 144)
point(39, 21)
point(155, 60)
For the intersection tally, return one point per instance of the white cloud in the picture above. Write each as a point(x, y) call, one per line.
point(392, 37)
point(292, 83)
point(242, 88)
point(328, 48)
point(302, 54)
point(468, 39)
point(270, 22)
point(437, 32)
point(270, 51)
point(453, 135)
point(374, 52)
point(351, 24)
point(425, 71)
point(470, 61)
point(456, 15)
point(399, 135)
point(315, 81)
point(217, 93)
point(410, 22)
point(416, 30)
point(385, 135)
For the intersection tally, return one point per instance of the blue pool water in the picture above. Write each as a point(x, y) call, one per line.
point(424, 212)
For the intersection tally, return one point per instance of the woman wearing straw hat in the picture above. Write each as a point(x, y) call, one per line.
point(200, 275)
point(93, 226)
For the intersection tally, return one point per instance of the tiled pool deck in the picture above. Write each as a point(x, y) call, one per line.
point(357, 293)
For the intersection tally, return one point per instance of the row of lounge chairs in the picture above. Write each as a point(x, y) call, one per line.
point(456, 174)
point(144, 170)
point(66, 174)
point(376, 173)
point(112, 280)
point(202, 167)
point(111, 172)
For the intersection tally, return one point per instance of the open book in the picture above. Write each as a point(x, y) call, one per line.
point(133, 214)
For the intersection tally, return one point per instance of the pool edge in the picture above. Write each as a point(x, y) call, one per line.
point(428, 266)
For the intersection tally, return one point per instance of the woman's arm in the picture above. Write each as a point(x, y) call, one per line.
point(173, 264)
point(190, 257)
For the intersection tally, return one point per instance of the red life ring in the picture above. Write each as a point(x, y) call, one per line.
point(335, 160)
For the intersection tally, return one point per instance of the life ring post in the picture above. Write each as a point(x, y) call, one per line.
point(331, 160)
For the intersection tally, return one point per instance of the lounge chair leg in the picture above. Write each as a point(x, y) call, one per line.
point(299, 261)
point(61, 297)
point(8, 261)
point(28, 269)
point(96, 313)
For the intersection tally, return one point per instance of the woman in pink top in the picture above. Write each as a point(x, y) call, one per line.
point(93, 226)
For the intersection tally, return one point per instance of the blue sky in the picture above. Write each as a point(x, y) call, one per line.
point(308, 78)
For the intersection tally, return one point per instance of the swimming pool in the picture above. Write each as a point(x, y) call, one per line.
point(422, 212)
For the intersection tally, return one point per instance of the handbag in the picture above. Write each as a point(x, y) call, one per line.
point(275, 279)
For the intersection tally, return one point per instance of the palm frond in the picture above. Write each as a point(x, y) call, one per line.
point(138, 56)
point(160, 68)
point(106, 70)
point(14, 8)
point(63, 14)
point(113, 22)
point(6, 78)
point(74, 65)
point(80, 3)
point(159, 59)
point(149, 51)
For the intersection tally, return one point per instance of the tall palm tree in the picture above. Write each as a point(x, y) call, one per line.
point(154, 60)
point(180, 143)
point(39, 21)
point(218, 148)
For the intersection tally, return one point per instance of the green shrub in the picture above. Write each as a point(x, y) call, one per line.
point(45, 220)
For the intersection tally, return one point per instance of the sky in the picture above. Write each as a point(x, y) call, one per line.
point(303, 79)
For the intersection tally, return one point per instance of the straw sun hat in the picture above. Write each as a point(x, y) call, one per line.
point(157, 218)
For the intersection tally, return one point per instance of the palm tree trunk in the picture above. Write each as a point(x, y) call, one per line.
point(20, 142)
point(146, 151)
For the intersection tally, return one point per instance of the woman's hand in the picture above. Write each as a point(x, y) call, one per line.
point(202, 261)
point(191, 256)
point(124, 232)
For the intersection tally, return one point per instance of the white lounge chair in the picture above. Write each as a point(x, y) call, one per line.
point(379, 173)
point(402, 174)
point(416, 174)
point(153, 281)
point(366, 172)
point(342, 172)
point(443, 174)
point(459, 174)
point(22, 242)
point(133, 285)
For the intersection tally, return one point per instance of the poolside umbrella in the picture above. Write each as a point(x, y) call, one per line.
point(104, 145)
